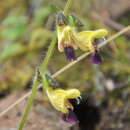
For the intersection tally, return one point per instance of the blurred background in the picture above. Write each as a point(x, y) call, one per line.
point(26, 29)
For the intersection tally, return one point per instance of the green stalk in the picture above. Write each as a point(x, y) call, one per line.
point(29, 102)
point(45, 63)
point(43, 68)
point(68, 6)
point(45, 83)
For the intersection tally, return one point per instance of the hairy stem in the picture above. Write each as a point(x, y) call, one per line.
point(45, 63)
point(30, 101)
point(68, 6)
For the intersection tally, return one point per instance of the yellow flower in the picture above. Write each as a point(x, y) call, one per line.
point(66, 37)
point(60, 98)
point(69, 39)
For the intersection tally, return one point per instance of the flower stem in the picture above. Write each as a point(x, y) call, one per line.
point(45, 63)
point(29, 102)
point(68, 6)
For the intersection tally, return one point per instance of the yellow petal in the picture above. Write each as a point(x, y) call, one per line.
point(59, 98)
point(86, 38)
point(84, 34)
point(66, 37)
point(72, 93)
point(100, 33)
point(59, 34)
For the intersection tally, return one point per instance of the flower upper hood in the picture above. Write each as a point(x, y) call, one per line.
point(86, 38)
point(59, 98)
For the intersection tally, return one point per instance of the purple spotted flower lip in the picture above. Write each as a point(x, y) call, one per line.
point(70, 54)
point(96, 58)
point(70, 118)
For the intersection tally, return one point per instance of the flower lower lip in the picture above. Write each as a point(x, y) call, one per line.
point(70, 117)
point(96, 58)
point(70, 54)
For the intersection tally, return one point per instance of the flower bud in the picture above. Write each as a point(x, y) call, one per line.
point(61, 19)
